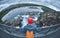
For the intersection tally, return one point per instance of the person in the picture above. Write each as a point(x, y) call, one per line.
point(31, 26)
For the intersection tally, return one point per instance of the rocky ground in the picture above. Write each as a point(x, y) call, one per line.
point(50, 18)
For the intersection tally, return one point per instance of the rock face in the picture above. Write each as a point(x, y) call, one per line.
point(50, 18)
